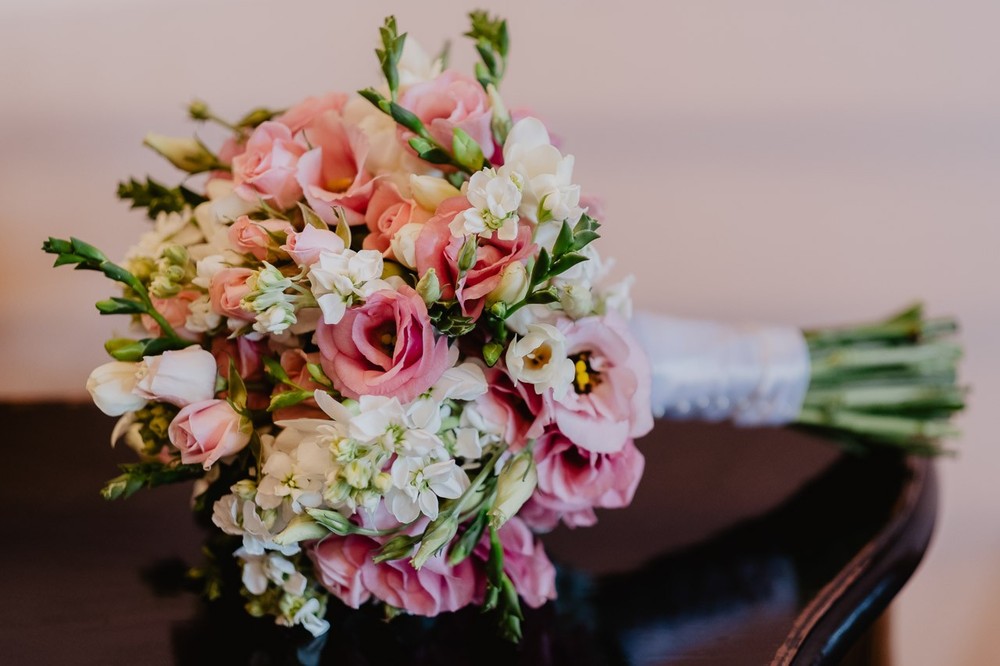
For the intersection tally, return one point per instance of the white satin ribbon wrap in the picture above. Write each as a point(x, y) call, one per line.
point(752, 375)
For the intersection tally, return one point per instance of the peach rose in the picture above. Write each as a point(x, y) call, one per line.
point(268, 167)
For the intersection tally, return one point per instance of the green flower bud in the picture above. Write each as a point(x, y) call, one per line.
point(438, 534)
point(189, 155)
point(429, 287)
point(516, 484)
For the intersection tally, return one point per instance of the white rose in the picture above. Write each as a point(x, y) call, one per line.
point(111, 386)
point(179, 377)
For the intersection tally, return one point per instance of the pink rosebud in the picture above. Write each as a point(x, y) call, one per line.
point(572, 482)
point(338, 563)
point(227, 289)
point(179, 377)
point(437, 248)
point(388, 212)
point(452, 100)
point(206, 431)
point(384, 347)
point(256, 237)
point(304, 247)
point(267, 168)
point(609, 403)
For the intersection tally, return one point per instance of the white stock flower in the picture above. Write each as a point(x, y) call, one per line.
point(340, 279)
point(201, 318)
point(549, 192)
point(112, 387)
point(417, 483)
point(271, 568)
point(206, 268)
point(168, 229)
point(294, 472)
point(240, 517)
point(539, 358)
point(303, 612)
point(495, 197)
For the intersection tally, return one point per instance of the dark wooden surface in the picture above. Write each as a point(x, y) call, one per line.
point(742, 547)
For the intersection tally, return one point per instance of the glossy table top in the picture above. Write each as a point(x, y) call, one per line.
point(741, 547)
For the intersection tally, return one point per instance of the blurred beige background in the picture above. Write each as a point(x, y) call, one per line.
point(800, 163)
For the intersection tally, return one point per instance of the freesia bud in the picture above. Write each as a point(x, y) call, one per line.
point(429, 191)
point(516, 484)
point(513, 285)
point(189, 155)
point(111, 386)
point(301, 528)
point(429, 287)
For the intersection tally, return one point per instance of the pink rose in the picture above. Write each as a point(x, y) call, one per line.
point(609, 403)
point(246, 354)
point(572, 482)
point(518, 410)
point(524, 561)
point(449, 101)
point(304, 247)
point(179, 377)
point(268, 167)
point(338, 562)
point(175, 310)
point(227, 289)
point(333, 174)
point(256, 237)
point(293, 362)
point(436, 248)
point(434, 588)
point(206, 431)
point(388, 212)
point(303, 113)
point(384, 347)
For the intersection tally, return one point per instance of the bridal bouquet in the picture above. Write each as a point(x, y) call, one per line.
point(377, 333)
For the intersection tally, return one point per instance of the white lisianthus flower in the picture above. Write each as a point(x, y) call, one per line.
point(340, 279)
point(417, 483)
point(112, 387)
point(548, 192)
point(179, 377)
point(495, 196)
point(539, 358)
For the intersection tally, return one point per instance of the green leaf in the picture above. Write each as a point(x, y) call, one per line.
point(148, 475)
point(468, 153)
point(540, 271)
point(429, 152)
point(464, 545)
point(316, 372)
point(564, 241)
point(237, 389)
point(566, 262)
point(543, 297)
point(274, 370)
point(157, 198)
point(288, 399)
point(310, 217)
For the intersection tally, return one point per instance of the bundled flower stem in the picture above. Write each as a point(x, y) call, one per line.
point(891, 383)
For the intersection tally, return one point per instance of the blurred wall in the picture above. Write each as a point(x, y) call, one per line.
point(799, 163)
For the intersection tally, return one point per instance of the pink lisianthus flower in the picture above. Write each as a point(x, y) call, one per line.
point(257, 237)
point(519, 411)
point(304, 247)
point(175, 310)
point(345, 568)
point(452, 100)
point(332, 174)
point(388, 212)
point(302, 114)
point(524, 561)
point(267, 168)
point(385, 346)
point(609, 402)
point(227, 289)
point(207, 431)
point(572, 482)
point(437, 248)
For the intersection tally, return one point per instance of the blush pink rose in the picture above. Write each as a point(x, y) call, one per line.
point(303, 113)
point(519, 411)
point(175, 310)
point(268, 167)
point(524, 561)
point(293, 362)
point(572, 482)
point(258, 237)
point(180, 377)
point(434, 588)
point(206, 431)
point(388, 212)
point(333, 174)
point(304, 247)
point(384, 347)
point(436, 248)
point(609, 402)
point(452, 100)
point(227, 289)
point(339, 561)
